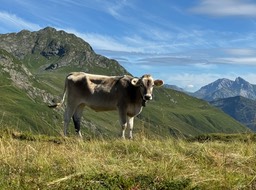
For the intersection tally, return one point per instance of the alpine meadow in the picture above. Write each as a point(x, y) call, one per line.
point(180, 142)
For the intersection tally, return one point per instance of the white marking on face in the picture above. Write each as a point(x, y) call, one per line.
point(147, 87)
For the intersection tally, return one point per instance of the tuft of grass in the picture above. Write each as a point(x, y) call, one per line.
point(38, 162)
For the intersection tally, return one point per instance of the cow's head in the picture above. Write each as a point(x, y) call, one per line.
point(146, 84)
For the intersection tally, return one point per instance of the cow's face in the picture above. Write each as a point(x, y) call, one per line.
point(146, 84)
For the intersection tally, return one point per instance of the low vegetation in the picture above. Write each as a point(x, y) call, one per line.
point(43, 162)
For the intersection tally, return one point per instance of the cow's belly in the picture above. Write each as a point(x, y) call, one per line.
point(101, 108)
point(101, 105)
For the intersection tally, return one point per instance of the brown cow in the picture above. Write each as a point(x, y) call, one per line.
point(126, 94)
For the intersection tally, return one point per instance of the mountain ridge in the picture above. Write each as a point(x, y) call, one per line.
point(225, 88)
point(59, 48)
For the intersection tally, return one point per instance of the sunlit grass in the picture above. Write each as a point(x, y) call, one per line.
point(66, 163)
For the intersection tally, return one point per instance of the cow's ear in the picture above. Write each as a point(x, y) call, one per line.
point(135, 82)
point(158, 82)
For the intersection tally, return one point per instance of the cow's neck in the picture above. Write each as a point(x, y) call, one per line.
point(144, 102)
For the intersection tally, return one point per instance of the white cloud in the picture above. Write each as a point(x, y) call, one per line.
point(226, 8)
point(116, 8)
point(190, 86)
point(133, 43)
point(239, 60)
point(16, 23)
point(101, 42)
point(188, 80)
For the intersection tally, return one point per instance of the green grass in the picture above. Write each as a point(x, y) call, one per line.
point(24, 113)
point(43, 162)
point(189, 116)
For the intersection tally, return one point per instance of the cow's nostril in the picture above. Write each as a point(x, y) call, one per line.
point(147, 97)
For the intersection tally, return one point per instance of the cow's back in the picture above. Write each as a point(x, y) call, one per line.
point(99, 92)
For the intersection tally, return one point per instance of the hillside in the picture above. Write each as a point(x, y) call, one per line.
point(240, 108)
point(33, 69)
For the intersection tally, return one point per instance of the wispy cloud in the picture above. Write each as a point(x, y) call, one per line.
point(226, 8)
point(16, 23)
point(239, 60)
point(102, 42)
point(116, 8)
point(132, 43)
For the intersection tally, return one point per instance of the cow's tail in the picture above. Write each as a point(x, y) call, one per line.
point(57, 105)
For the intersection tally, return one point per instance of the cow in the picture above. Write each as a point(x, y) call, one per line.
point(126, 94)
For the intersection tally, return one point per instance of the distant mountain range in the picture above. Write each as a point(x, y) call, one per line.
point(225, 88)
point(222, 88)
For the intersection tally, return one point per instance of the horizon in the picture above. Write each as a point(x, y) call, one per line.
point(186, 43)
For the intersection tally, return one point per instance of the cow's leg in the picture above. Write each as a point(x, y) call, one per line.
point(67, 116)
point(77, 118)
point(123, 121)
point(130, 125)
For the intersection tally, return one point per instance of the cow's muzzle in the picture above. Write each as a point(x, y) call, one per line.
point(147, 97)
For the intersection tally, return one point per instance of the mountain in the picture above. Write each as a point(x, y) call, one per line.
point(225, 88)
point(33, 67)
point(240, 108)
point(49, 49)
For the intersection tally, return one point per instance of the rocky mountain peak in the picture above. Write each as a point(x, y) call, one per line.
point(240, 80)
point(48, 28)
point(243, 86)
point(224, 88)
point(223, 83)
point(51, 49)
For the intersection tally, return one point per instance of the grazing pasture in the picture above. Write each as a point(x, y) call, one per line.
point(42, 162)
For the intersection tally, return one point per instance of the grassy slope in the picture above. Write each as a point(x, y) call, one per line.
point(180, 113)
point(17, 109)
point(43, 162)
point(20, 112)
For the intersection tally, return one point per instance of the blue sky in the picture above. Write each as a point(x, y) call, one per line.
point(188, 43)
